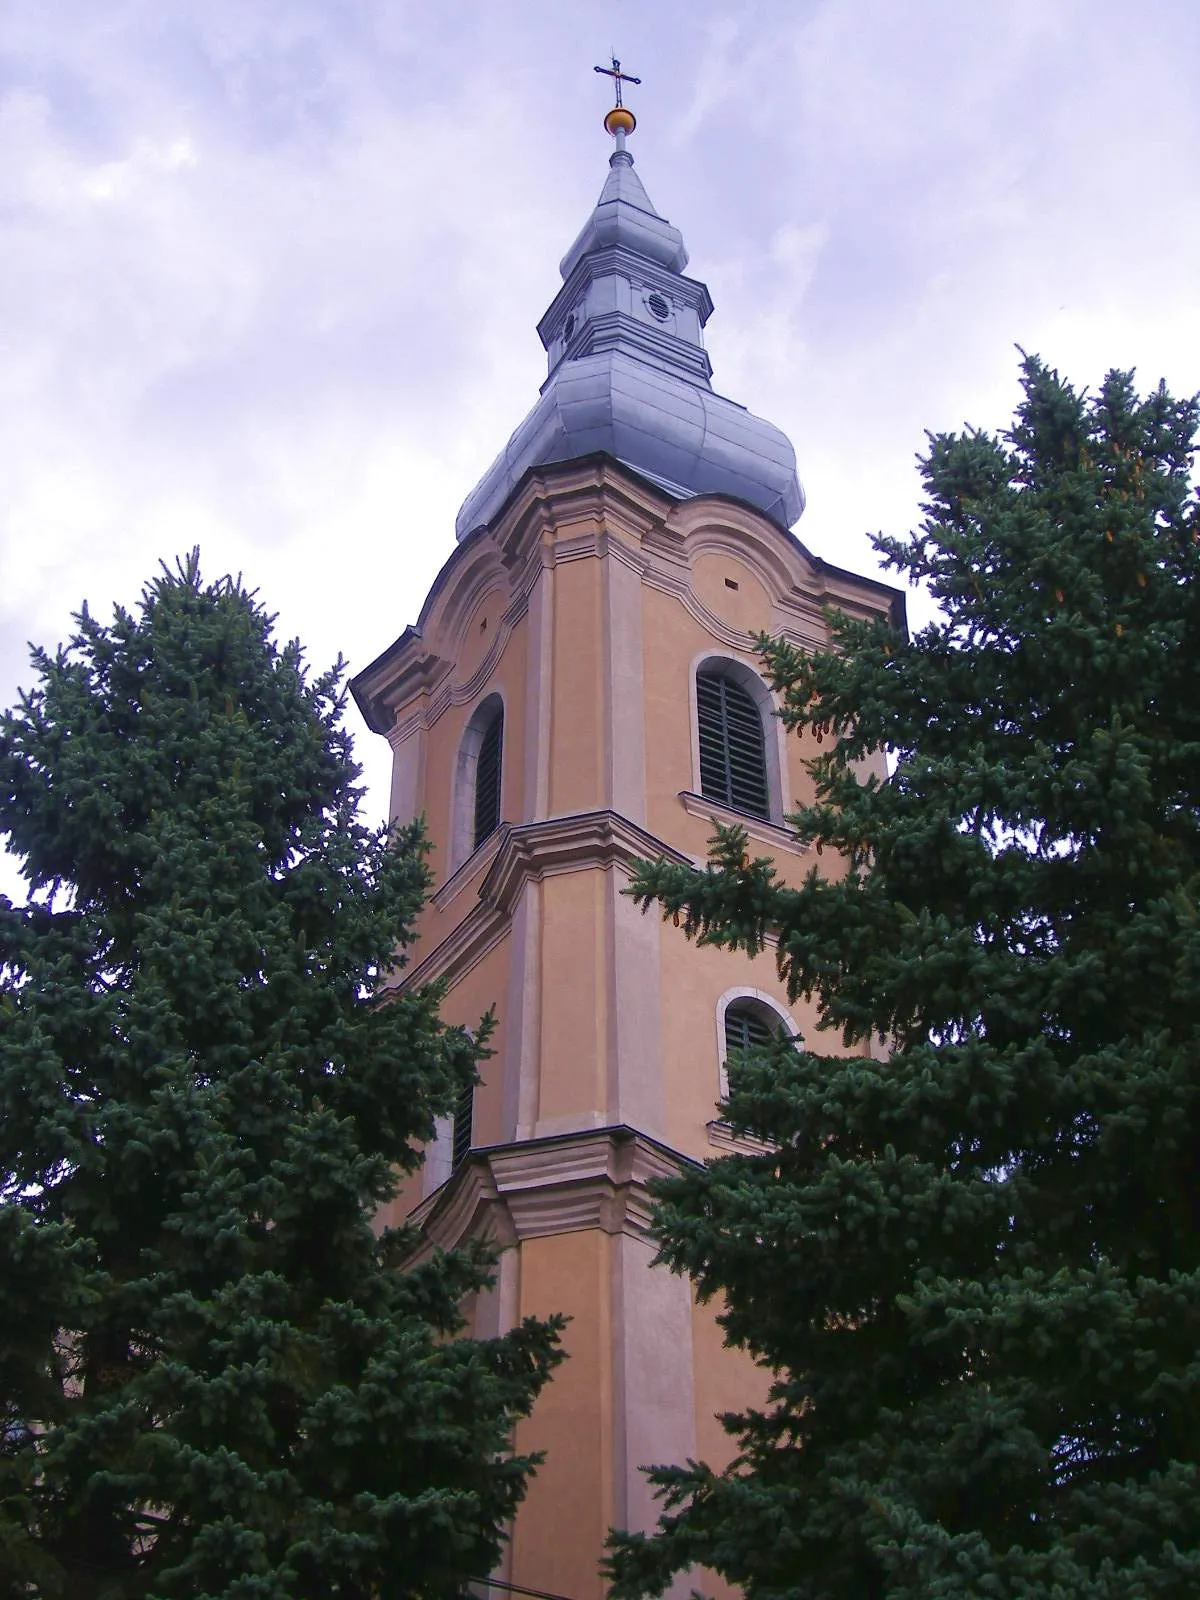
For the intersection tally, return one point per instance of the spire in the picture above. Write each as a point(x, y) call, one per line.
point(625, 216)
point(628, 371)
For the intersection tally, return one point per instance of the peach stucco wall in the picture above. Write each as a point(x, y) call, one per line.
point(577, 744)
point(574, 1001)
point(479, 991)
point(570, 1505)
point(587, 607)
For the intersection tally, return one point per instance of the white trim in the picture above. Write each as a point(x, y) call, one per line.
point(746, 674)
point(772, 833)
point(439, 1155)
point(462, 805)
point(526, 854)
point(722, 1137)
point(760, 997)
point(591, 1178)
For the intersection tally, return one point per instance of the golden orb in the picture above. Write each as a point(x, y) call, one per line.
point(620, 119)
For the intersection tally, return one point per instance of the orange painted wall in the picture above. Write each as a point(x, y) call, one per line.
point(577, 743)
point(485, 988)
point(574, 1002)
point(728, 1381)
point(570, 990)
point(569, 1508)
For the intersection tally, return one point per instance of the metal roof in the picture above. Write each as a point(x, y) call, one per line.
point(629, 375)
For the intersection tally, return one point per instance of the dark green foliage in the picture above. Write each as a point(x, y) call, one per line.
point(215, 1379)
point(973, 1259)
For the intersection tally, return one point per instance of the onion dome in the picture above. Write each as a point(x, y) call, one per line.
point(628, 372)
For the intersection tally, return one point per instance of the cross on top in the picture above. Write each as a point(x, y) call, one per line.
point(618, 77)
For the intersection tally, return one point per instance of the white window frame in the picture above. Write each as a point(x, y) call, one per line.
point(466, 767)
point(759, 997)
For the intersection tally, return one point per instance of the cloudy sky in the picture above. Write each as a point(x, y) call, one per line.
point(270, 269)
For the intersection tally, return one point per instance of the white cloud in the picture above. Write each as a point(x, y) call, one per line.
point(271, 272)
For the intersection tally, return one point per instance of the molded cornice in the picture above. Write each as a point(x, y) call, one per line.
point(533, 850)
point(698, 805)
point(563, 1184)
point(595, 507)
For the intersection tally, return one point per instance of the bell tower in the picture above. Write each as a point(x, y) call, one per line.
point(581, 690)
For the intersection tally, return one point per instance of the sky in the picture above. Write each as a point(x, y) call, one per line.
point(270, 269)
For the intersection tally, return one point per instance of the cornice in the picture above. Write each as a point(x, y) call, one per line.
point(593, 490)
point(619, 259)
point(594, 507)
point(563, 1184)
point(582, 841)
point(399, 676)
point(698, 805)
point(722, 1136)
point(469, 870)
point(428, 674)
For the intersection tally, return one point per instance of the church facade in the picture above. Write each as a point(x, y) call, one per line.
point(581, 690)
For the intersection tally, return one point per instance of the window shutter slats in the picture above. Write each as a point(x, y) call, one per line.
point(745, 1028)
point(463, 1116)
point(487, 781)
point(733, 765)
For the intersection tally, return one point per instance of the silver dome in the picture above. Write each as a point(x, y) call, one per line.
point(629, 375)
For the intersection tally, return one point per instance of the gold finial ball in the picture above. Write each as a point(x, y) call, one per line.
point(620, 120)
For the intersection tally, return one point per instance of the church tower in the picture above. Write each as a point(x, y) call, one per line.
point(582, 690)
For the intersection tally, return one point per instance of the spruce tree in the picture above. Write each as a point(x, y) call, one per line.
point(970, 1259)
point(217, 1379)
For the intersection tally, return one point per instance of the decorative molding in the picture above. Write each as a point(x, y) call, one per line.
point(582, 841)
point(593, 506)
point(404, 728)
point(475, 865)
point(797, 616)
point(768, 1002)
point(390, 684)
point(722, 1137)
point(708, 525)
point(580, 547)
point(698, 805)
point(680, 589)
point(590, 491)
point(563, 1184)
point(468, 688)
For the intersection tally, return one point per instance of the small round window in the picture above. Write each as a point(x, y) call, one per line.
point(658, 307)
point(569, 328)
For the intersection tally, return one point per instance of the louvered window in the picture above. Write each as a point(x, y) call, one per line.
point(464, 1109)
point(733, 764)
point(745, 1028)
point(487, 781)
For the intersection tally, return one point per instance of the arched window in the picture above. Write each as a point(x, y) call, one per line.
point(487, 780)
point(733, 759)
point(747, 1026)
point(478, 780)
point(746, 1020)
